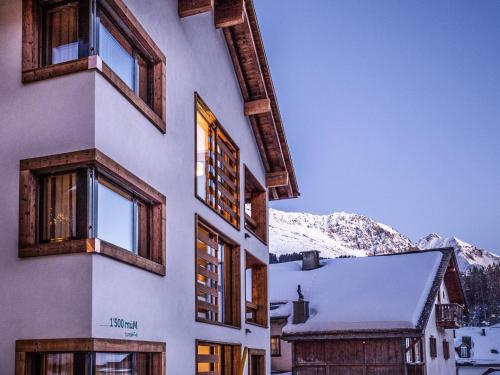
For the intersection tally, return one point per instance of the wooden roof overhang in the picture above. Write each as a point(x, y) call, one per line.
point(238, 21)
point(353, 335)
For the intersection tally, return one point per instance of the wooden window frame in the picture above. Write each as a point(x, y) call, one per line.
point(278, 354)
point(257, 353)
point(433, 347)
point(235, 357)
point(446, 349)
point(25, 347)
point(235, 302)
point(224, 208)
point(31, 246)
point(33, 69)
point(257, 194)
point(259, 304)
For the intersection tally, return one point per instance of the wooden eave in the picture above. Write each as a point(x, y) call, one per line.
point(247, 53)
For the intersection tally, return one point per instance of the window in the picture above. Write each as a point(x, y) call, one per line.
point(64, 36)
point(414, 350)
point(446, 349)
point(255, 207)
point(217, 277)
point(256, 362)
point(275, 346)
point(217, 166)
point(255, 290)
point(217, 359)
point(464, 351)
point(86, 203)
point(433, 347)
point(73, 357)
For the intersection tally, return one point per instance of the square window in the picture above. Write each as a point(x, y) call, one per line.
point(217, 359)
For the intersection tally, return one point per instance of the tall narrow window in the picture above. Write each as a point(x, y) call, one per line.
point(61, 27)
point(255, 206)
point(446, 349)
point(255, 290)
point(217, 359)
point(275, 346)
point(432, 347)
point(217, 277)
point(217, 166)
point(257, 362)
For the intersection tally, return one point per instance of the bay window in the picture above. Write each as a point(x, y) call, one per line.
point(255, 207)
point(74, 357)
point(88, 203)
point(61, 37)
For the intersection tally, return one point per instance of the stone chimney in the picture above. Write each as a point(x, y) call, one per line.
point(310, 260)
point(300, 308)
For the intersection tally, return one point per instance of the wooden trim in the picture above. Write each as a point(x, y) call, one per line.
point(29, 246)
point(235, 357)
point(258, 106)
point(32, 69)
point(276, 179)
point(259, 290)
point(228, 13)
point(188, 8)
point(256, 194)
point(89, 344)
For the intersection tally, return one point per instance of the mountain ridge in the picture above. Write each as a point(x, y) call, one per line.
point(349, 234)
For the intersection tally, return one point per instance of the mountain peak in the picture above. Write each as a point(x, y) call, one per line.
point(350, 234)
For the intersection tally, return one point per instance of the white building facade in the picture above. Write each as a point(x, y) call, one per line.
point(139, 151)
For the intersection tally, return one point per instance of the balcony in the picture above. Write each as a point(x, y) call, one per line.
point(449, 316)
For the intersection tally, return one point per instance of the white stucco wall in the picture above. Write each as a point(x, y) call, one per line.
point(76, 295)
point(284, 361)
point(439, 365)
point(474, 370)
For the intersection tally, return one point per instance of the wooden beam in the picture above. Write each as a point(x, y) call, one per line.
point(275, 179)
point(229, 13)
point(188, 8)
point(255, 107)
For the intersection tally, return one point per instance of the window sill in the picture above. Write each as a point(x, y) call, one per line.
point(250, 230)
point(257, 324)
point(92, 246)
point(206, 321)
point(96, 63)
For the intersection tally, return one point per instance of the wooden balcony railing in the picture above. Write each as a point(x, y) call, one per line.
point(449, 316)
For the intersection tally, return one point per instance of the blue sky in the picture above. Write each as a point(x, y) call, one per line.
point(392, 110)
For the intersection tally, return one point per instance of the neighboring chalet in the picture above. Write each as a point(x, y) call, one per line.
point(390, 314)
point(478, 350)
point(141, 142)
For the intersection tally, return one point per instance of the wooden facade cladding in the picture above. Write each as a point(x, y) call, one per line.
point(246, 48)
point(33, 68)
point(26, 347)
point(153, 259)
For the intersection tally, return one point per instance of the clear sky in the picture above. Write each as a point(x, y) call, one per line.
point(392, 110)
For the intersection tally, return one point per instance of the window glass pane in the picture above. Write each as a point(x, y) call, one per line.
point(57, 363)
point(209, 359)
point(248, 284)
point(115, 363)
point(62, 33)
point(116, 216)
point(204, 163)
point(58, 207)
point(116, 57)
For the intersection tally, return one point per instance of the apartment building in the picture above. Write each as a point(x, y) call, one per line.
point(141, 142)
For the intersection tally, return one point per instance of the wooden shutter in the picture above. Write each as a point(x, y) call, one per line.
point(227, 184)
point(432, 347)
point(207, 273)
point(446, 349)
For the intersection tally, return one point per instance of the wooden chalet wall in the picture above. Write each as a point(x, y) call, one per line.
point(349, 357)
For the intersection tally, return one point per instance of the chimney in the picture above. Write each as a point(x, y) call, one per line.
point(300, 308)
point(483, 331)
point(310, 260)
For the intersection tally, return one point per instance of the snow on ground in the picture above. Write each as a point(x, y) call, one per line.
point(485, 349)
point(358, 293)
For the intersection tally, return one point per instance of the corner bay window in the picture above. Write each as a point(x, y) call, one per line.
point(217, 277)
point(69, 31)
point(91, 201)
point(217, 359)
point(73, 357)
point(255, 290)
point(217, 166)
point(255, 206)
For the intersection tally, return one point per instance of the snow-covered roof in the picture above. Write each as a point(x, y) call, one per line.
point(485, 349)
point(356, 294)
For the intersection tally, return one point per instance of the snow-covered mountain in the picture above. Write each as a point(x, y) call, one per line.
point(467, 254)
point(346, 234)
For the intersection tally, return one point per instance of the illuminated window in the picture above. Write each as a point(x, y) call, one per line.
point(217, 277)
point(217, 166)
point(275, 346)
point(217, 359)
